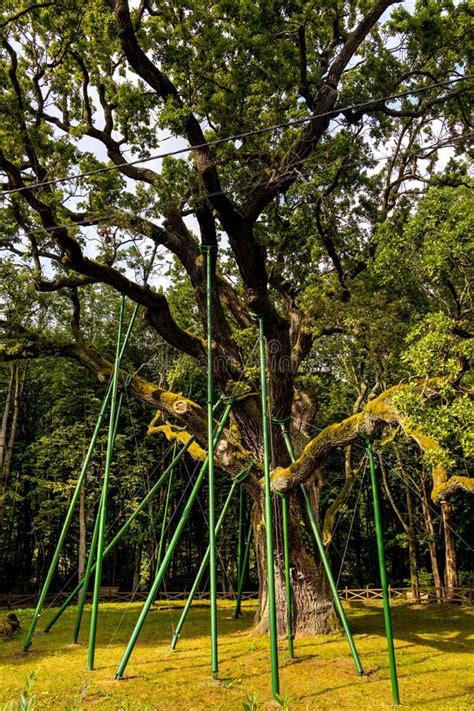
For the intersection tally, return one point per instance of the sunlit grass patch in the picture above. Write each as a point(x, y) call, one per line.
point(432, 644)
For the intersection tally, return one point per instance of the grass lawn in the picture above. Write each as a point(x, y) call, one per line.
point(432, 646)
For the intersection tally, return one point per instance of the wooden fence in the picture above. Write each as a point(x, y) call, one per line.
point(464, 596)
point(15, 601)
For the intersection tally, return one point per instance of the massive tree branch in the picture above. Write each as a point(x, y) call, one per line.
point(158, 312)
point(164, 87)
point(230, 454)
point(379, 413)
point(356, 37)
point(285, 175)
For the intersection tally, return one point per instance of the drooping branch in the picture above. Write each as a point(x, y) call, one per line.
point(158, 311)
point(378, 414)
point(231, 456)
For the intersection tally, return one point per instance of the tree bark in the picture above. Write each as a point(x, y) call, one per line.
point(431, 541)
point(138, 566)
point(312, 606)
point(413, 558)
point(451, 579)
point(8, 430)
point(6, 411)
point(408, 524)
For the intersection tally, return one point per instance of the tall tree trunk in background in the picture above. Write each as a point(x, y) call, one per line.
point(425, 507)
point(6, 411)
point(408, 523)
point(81, 564)
point(138, 566)
point(8, 430)
point(451, 579)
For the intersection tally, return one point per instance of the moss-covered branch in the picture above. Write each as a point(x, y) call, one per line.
point(373, 418)
point(230, 454)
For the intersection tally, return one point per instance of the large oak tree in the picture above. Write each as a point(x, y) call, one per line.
point(300, 168)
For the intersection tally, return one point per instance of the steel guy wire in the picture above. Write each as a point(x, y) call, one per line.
point(351, 524)
point(246, 134)
point(94, 220)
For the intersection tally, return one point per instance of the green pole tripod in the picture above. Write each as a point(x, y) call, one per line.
point(202, 567)
point(92, 549)
point(80, 482)
point(169, 551)
point(67, 523)
point(383, 574)
point(121, 532)
point(268, 516)
point(240, 545)
point(103, 501)
point(240, 584)
point(324, 558)
point(208, 250)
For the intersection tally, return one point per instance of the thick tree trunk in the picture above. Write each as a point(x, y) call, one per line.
point(451, 580)
point(8, 429)
point(312, 607)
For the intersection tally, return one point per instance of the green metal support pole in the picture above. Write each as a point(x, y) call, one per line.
point(169, 551)
point(208, 251)
point(286, 553)
point(105, 487)
point(122, 531)
point(324, 558)
point(240, 544)
point(202, 567)
point(240, 585)
point(268, 516)
point(165, 515)
point(92, 548)
point(383, 574)
point(82, 475)
point(67, 522)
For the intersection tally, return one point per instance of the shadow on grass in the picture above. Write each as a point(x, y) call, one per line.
point(442, 628)
point(419, 625)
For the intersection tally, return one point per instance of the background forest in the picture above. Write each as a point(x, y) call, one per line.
point(49, 410)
